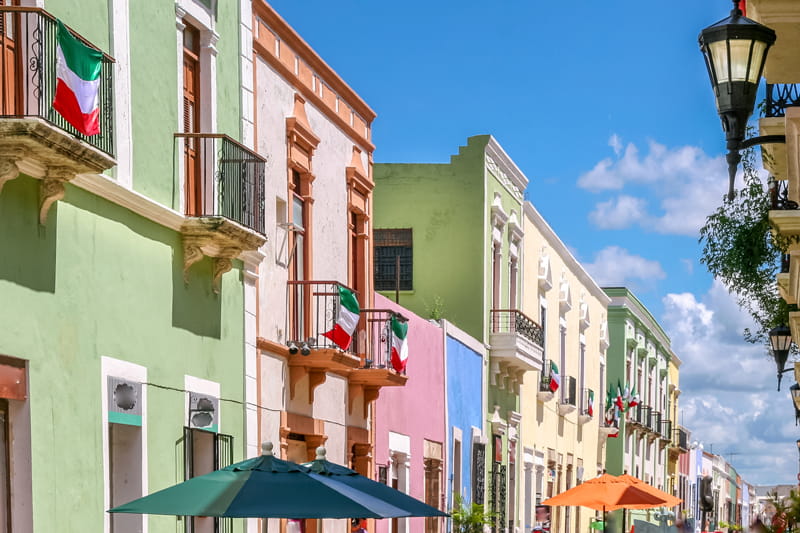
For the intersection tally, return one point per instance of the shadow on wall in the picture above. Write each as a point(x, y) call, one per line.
point(195, 306)
point(28, 255)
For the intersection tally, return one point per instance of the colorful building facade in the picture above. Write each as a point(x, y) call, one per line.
point(315, 386)
point(461, 224)
point(561, 439)
point(126, 340)
point(638, 362)
point(410, 423)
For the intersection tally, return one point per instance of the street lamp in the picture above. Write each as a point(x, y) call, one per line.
point(780, 340)
point(735, 51)
point(795, 391)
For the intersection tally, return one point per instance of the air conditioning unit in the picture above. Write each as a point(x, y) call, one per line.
point(124, 401)
point(203, 411)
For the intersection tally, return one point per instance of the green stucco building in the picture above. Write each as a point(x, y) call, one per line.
point(638, 361)
point(122, 271)
point(456, 231)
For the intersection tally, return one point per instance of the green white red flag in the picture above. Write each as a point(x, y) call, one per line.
point(399, 344)
point(555, 378)
point(346, 319)
point(634, 399)
point(590, 401)
point(78, 80)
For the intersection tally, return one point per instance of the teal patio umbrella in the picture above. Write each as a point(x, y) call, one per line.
point(263, 487)
point(331, 473)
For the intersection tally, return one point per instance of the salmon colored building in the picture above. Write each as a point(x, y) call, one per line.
point(314, 131)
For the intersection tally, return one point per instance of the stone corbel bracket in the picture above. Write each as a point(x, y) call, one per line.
point(217, 238)
point(51, 189)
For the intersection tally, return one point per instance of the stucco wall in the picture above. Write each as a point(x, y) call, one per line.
point(465, 392)
point(543, 428)
point(444, 206)
point(99, 281)
point(329, 244)
point(416, 410)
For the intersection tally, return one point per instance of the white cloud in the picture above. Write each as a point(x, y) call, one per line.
point(729, 398)
point(685, 182)
point(619, 213)
point(615, 266)
point(616, 143)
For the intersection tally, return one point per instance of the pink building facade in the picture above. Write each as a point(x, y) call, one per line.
point(410, 438)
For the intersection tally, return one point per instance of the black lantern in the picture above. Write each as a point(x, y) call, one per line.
point(795, 391)
point(735, 50)
point(780, 340)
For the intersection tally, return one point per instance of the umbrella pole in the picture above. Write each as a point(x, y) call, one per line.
point(604, 519)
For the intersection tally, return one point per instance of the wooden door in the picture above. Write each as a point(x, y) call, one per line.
point(191, 115)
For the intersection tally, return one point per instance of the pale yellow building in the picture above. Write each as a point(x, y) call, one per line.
point(560, 433)
point(674, 478)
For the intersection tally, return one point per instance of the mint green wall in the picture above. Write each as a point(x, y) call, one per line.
point(97, 281)
point(615, 372)
point(443, 204)
point(448, 207)
point(154, 81)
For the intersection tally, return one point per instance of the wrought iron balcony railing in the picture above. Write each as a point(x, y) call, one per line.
point(569, 393)
point(28, 44)
point(779, 97)
point(222, 178)
point(312, 310)
point(779, 195)
point(587, 401)
point(372, 339)
point(666, 429)
point(544, 382)
point(655, 422)
point(644, 413)
point(515, 321)
point(681, 439)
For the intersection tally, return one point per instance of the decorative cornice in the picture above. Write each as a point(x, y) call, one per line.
point(498, 160)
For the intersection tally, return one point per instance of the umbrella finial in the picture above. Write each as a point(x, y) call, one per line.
point(321, 453)
point(266, 448)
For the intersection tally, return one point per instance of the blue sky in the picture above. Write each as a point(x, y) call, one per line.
point(607, 108)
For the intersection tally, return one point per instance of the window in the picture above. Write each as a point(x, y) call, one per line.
point(496, 265)
point(433, 474)
point(357, 250)
point(299, 301)
point(191, 119)
point(125, 473)
point(391, 246)
point(512, 283)
point(204, 452)
point(456, 466)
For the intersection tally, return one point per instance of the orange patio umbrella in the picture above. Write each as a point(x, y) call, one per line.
point(606, 493)
point(669, 499)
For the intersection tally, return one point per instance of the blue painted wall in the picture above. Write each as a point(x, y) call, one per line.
point(464, 406)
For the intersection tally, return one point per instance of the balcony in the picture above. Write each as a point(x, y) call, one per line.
point(666, 430)
point(545, 394)
point(372, 344)
point(34, 138)
point(517, 346)
point(654, 424)
point(569, 397)
point(586, 412)
point(681, 440)
point(637, 416)
point(644, 416)
point(312, 311)
point(223, 186)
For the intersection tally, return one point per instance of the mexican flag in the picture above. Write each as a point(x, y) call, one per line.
point(618, 399)
point(78, 75)
point(634, 400)
point(590, 407)
point(555, 379)
point(399, 344)
point(346, 319)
